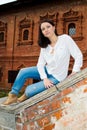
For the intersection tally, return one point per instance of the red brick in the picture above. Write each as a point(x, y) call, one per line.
point(31, 114)
point(85, 90)
point(82, 82)
point(18, 119)
point(42, 103)
point(44, 110)
point(66, 99)
point(55, 105)
point(49, 127)
point(57, 114)
point(25, 127)
point(19, 126)
point(67, 91)
point(32, 125)
point(43, 121)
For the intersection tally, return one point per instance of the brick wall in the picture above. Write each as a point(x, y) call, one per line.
point(14, 56)
point(63, 107)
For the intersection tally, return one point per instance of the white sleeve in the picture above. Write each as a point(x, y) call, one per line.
point(76, 54)
point(41, 64)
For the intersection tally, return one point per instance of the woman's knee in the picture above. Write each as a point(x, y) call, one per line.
point(24, 71)
point(21, 70)
point(34, 89)
point(27, 92)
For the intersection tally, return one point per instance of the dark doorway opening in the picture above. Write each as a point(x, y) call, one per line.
point(12, 75)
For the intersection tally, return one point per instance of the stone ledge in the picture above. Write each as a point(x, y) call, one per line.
point(72, 80)
point(15, 108)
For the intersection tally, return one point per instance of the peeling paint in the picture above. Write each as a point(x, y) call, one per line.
point(41, 111)
point(74, 113)
point(85, 90)
point(66, 99)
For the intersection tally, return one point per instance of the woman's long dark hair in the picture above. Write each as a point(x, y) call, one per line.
point(44, 41)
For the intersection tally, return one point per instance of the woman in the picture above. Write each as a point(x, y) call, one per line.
point(52, 66)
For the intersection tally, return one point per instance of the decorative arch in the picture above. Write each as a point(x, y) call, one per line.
point(50, 16)
point(3, 33)
point(25, 32)
point(72, 21)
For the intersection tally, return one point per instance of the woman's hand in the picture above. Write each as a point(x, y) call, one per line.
point(47, 83)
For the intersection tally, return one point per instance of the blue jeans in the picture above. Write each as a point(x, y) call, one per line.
point(33, 89)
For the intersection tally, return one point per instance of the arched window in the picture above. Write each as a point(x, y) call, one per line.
point(71, 29)
point(1, 36)
point(25, 34)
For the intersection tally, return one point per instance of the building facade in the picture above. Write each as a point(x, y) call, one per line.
point(19, 33)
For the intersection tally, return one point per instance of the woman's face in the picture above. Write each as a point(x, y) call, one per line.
point(47, 29)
